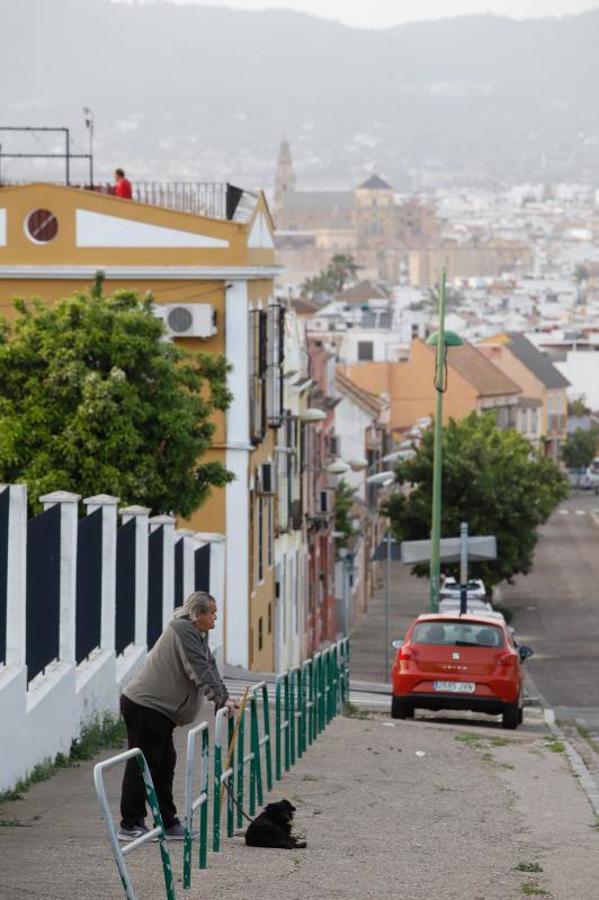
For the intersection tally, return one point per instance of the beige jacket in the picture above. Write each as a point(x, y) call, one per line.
point(179, 671)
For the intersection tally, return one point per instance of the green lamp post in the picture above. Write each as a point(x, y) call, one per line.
point(450, 339)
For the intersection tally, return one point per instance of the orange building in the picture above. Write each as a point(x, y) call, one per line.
point(473, 384)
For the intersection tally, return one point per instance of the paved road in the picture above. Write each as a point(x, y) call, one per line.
point(556, 610)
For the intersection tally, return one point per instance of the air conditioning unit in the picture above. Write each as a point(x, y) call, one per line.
point(188, 319)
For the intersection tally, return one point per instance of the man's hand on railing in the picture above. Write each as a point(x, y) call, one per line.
point(231, 705)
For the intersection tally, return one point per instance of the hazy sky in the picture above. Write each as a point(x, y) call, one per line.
point(384, 13)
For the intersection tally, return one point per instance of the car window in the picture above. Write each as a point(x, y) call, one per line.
point(475, 634)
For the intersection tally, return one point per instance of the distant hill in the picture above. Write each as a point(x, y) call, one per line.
point(206, 93)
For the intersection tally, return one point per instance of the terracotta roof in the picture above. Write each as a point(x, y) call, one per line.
point(363, 291)
point(480, 372)
point(368, 401)
point(304, 307)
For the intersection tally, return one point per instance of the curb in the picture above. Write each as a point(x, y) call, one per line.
point(579, 768)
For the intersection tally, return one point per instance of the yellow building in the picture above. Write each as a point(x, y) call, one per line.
point(539, 380)
point(211, 274)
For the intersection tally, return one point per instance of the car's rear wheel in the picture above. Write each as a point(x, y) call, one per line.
point(401, 709)
point(511, 716)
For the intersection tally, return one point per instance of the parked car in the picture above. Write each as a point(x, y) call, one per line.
point(449, 661)
point(586, 479)
point(474, 605)
point(451, 587)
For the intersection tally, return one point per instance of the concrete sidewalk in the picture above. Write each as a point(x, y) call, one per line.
point(428, 809)
point(408, 597)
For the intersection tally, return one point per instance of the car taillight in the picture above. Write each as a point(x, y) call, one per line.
point(405, 653)
point(506, 659)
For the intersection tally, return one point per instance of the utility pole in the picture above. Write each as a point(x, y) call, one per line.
point(463, 568)
point(389, 541)
point(435, 570)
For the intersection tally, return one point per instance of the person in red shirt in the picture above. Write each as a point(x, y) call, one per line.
point(122, 187)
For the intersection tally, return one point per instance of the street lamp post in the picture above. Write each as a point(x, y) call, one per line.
point(441, 339)
point(438, 436)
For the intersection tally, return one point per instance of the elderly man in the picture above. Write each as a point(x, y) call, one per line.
point(167, 691)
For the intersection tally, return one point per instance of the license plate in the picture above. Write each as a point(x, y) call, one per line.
point(455, 687)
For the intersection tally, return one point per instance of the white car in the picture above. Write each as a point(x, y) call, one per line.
point(474, 588)
point(451, 606)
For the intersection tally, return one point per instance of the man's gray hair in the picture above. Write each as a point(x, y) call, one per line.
point(196, 604)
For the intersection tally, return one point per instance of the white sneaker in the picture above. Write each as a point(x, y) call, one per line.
point(131, 834)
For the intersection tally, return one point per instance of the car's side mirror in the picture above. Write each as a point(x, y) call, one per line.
point(524, 653)
point(397, 643)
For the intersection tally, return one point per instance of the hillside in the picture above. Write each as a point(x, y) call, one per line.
point(184, 91)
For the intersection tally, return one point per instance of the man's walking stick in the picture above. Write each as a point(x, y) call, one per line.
point(242, 707)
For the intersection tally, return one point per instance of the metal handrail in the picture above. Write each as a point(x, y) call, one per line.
point(157, 831)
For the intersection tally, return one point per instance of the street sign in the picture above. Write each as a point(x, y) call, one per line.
point(380, 554)
point(482, 547)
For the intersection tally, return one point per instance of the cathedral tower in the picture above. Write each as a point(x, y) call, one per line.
point(285, 176)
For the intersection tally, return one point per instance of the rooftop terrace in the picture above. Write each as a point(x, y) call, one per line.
point(214, 199)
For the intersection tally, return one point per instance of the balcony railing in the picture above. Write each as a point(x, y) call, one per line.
point(214, 199)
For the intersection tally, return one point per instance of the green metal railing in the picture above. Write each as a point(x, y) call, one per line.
point(200, 731)
point(306, 699)
point(156, 832)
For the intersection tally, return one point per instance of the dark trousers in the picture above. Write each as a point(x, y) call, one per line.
point(152, 732)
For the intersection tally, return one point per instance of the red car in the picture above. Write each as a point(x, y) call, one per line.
point(448, 661)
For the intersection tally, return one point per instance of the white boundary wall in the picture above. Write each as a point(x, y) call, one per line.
point(42, 719)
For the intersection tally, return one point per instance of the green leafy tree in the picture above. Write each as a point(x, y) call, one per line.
point(581, 273)
point(580, 449)
point(344, 499)
point(491, 480)
point(331, 280)
point(342, 268)
point(93, 399)
point(578, 408)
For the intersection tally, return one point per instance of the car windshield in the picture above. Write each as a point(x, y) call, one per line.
point(459, 634)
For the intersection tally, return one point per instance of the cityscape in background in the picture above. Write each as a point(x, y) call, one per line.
point(295, 210)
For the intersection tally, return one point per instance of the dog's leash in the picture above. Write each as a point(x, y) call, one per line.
point(229, 791)
point(226, 786)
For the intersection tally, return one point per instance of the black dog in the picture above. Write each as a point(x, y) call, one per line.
point(272, 828)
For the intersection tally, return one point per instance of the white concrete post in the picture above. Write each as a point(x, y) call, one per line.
point(188, 561)
point(68, 569)
point(168, 564)
point(16, 581)
point(218, 545)
point(237, 496)
point(140, 514)
point(108, 505)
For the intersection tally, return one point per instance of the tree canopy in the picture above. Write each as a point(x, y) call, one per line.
point(491, 480)
point(331, 280)
point(580, 449)
point(93, 399)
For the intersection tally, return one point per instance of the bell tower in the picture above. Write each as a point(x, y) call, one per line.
point(285, 176)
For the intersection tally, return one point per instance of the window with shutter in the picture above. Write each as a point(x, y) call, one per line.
point(275, 360)
point(257, 374)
